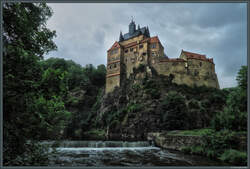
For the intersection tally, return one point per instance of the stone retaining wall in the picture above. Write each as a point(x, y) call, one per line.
point(176, 142)
point(173, 141)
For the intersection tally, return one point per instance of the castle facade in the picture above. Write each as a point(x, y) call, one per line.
point(137, 47)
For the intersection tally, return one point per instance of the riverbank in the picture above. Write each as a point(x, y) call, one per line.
point(227, 146)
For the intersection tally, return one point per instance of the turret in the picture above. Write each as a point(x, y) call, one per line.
point(131, 27)
point(121, 37)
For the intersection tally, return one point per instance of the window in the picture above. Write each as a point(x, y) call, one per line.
point(200, 64)
point(153, 45)
point(131, 49)
point(110, 67)
point(141, 46)
point(114, 65)
point(113, 52)
point(143, 53)
point(126, 51)
point(153, 54)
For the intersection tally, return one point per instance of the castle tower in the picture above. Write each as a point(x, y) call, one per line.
point(131, 27)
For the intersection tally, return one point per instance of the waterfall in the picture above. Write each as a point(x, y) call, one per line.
point(96, 144)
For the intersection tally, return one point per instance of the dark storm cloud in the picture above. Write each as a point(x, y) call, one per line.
point(86, 31)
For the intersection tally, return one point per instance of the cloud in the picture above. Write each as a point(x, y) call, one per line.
point(85, 31)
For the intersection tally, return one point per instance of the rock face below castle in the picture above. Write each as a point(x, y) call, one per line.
point(137, 48)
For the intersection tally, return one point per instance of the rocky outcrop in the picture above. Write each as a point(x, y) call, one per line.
point(135, 108)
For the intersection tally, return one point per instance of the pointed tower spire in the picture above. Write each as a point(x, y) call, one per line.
point(121, 37)
point(147, 32)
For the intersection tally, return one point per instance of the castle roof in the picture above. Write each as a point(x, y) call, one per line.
point(191, 55)
point(133, 32)
point(114, 46)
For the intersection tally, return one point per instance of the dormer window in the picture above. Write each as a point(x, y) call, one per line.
point(131, 49)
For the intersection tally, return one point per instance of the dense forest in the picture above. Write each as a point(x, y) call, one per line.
point(58, 99)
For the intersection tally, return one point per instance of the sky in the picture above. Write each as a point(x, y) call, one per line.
point(85, 31)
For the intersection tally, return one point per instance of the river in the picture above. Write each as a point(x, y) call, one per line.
point(120, 153)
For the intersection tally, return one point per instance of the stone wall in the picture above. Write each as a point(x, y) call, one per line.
point(111, 82)
point(188, 72)
point(174, 142)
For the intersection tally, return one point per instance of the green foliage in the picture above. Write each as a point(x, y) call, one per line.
point(234, 115)
point(35, 154)
point(96, 133)
point(136, 87)
point(220, 145)
point(195, 132)
point(174, 111)
point(155, 93)
point(133, 108)
point(49, 117)
point(141, 67)
point(25, 39)
point(242, 77)
point(234, 157)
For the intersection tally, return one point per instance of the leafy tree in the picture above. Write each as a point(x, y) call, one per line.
point(242, 77)
point(174, 111)
point(234, 115)
point(26, 39)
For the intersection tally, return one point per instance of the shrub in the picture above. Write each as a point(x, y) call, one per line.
point(186, 149)
point(197, 150)
point(174, 111)
point(35, 154)
point(234, 157)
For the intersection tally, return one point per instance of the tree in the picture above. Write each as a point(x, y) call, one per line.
point(26, 39)
point(234, 115)
point(174, 111)
point(242, 77)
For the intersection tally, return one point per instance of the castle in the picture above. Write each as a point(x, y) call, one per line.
point(137, 47)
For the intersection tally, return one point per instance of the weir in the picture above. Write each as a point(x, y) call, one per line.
point(119, 153)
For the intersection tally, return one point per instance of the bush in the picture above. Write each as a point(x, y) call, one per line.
point(234, 157)
point(35, 154)
point(186, 149)
point(174, 111)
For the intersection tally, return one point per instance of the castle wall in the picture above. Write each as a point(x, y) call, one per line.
point(113, 70)
point(112, 82)
point(192, 75)
point(204, 72)
point(134, 58)
point(135, 39)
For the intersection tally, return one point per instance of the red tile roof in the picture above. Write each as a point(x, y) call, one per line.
point(154, 39)
point(130, 44)
point(171, 60)
point(115, 45)
point(191, 55)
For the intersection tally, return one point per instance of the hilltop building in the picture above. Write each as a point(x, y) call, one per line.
point(138, 47)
